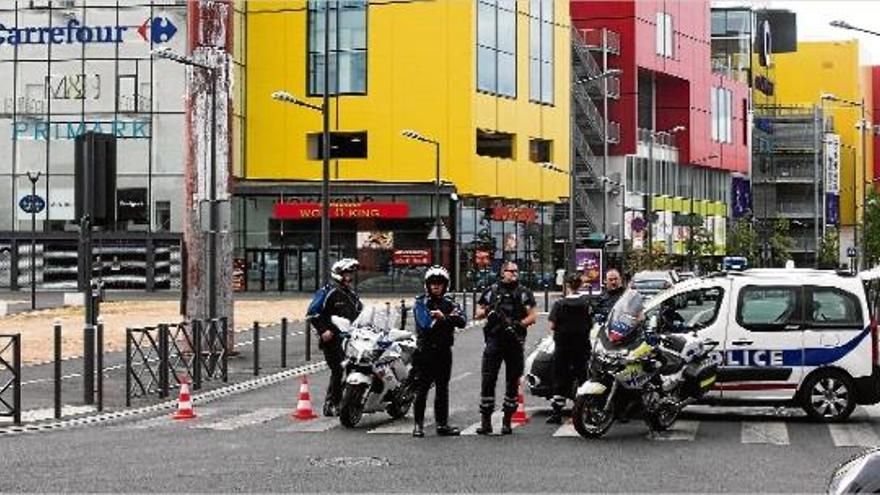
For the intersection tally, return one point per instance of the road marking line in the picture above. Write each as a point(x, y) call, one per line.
point(566, 430)
point(318, 425)
point(681, 431)
point(853, 435)
point(764, 432)
point(496, 425)
point(461, 376)
point(397, 427)
point(166, 421)
point(248, 419)
point(872, 411)
point(49, 413)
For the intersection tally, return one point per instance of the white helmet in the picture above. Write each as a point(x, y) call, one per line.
point(341, 266)
point(437, 272)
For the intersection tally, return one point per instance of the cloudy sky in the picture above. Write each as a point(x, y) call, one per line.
point(813, 17)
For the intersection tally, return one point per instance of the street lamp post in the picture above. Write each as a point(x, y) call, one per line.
point(33, 177)
point(438, 223)
point(167, 54)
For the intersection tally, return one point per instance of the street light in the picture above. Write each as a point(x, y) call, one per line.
point(862, 126)
point(33, 177)
point(845, 25)
point(438, 224)
point(167, 54)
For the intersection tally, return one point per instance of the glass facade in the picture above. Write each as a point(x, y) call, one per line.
point(66, 70)
point(496, 47)
point(348, 46)
point(541, 51)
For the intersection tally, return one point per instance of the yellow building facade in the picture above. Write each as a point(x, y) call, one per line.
point(421, 63)
point(833, 67)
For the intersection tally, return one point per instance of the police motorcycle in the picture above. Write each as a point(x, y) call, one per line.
point(376, 366)
point(636, 373)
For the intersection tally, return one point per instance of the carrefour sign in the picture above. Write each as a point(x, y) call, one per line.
point(155, 29)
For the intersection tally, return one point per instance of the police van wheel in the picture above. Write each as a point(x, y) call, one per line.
point(828, 396)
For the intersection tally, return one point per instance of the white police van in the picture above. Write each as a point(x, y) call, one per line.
point(793, 337)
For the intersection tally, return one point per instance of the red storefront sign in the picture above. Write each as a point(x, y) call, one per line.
point(507, 214)
point(312, 211)
point(411, 257)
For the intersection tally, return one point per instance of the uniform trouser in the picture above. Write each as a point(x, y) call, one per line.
point(333, 355)
point(501, 349)
point(569, 370)
point(432, 367)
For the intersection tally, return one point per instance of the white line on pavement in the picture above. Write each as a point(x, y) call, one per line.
point(248, 419)
point(318, 425)
point(853, 435)
point(764, 432)
point(681, 431)
point(49, 413)
point(460, 377)
point(496, 425)
point(566, 430)
point(166, 421)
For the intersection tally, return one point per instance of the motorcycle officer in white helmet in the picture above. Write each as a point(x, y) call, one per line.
point(336, 299)
point(437, 316)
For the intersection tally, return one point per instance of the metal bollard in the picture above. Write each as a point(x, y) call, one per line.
point(88, 364)
point(308, 334)
point(546, 297)
point(16, 384)
point(284, 342)
point(99, 362)
point(196, 329)
point(402, 314)
point(164, 361)
point(224, 363)
point(127, 367)
point(57, 373)
point(474, 301)
point(256, 335)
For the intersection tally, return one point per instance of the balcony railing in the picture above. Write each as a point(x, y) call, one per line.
point(594, 40)
point(661, 138)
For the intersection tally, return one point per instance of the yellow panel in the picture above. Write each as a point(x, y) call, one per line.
point(421, 76)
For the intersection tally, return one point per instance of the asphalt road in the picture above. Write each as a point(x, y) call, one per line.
point(249, 442)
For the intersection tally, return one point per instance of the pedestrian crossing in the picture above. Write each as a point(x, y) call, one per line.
point(862, 430)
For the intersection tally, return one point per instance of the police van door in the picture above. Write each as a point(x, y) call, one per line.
point(763, 347)
point(836, 330)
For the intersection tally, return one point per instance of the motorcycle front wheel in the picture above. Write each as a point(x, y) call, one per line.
point(589, 417)
point(663, 418)
point(402, 402)
point(351, 408)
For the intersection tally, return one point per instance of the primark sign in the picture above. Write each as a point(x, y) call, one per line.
point(154, 30)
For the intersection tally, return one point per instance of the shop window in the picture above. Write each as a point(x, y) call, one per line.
point(541, 150)
point(163, 216)
point(342, 145)
point(495, 144)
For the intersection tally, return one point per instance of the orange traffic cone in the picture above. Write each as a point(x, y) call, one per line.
point(520, 417)
point(304, 404)
point(184, 402)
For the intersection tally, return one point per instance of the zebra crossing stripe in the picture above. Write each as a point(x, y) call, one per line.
point(681, 431)
point(397, 427)
point(764, 432)
point(242, 420)
point(853, 435)
point(48, 413)
point(319, 425)
point(165, 421)
point(566, 430)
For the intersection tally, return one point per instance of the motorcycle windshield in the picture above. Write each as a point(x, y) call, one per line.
point(626, 320)
point(379, 317)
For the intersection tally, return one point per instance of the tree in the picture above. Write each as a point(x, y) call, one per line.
point(742, 240)
point(872, 229)
point(638, 260)
point(704, 249)
point(780, 242)
point(829, 249)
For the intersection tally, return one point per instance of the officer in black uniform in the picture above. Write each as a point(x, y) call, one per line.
point(570, 320)
point(613, 290)
point(337, 299)
point(437, 316)
point(509, 309)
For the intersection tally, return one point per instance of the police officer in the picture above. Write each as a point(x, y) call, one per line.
point(613, 290)
point(336, 299)
point(509, 309)
point(570, 320)
point(437, 316)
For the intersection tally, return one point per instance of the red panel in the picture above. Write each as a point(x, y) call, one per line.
point(875, 89)
point(312, 211)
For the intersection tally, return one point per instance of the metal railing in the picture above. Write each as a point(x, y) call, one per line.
point(10, 377)
point(158, 355)
point(594, 39)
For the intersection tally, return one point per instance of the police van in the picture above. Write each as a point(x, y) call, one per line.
point(794, 337)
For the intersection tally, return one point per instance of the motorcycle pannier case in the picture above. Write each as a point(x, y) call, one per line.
point(699, 378)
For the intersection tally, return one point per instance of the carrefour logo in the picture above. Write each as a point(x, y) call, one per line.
point(156, 30)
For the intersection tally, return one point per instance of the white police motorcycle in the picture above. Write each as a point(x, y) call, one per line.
point(376, 368)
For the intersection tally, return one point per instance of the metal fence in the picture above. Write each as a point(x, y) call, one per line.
point(161, 357)
point(10, 377)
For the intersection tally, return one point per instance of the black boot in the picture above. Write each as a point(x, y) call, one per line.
point(329, 409)
point(447, 431)
point(486, 426)
point(418, 430)
point(506, 429)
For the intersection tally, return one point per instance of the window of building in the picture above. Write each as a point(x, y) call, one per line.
point(721, 102)
point(541, 150)
point(495, 144)
point(763, 308)
point(348, 47)
point(342, 145)
point(665, 38)
point(496, 47)
point(541, 51)
point(163, 216)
